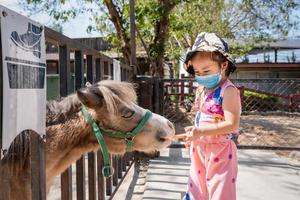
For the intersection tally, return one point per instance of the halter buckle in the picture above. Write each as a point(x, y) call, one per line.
point(129, 136)
point(108, 171)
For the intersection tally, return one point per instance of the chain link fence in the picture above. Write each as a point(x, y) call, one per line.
point(270, 110)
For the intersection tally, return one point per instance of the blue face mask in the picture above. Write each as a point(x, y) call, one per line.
point(209, 81)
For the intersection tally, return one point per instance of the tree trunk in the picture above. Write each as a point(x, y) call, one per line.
point(117, 21)
point(161, 31)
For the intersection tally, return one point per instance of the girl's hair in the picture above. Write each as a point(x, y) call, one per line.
point(217, 57)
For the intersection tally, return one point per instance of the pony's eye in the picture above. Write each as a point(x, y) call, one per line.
point(128, 114)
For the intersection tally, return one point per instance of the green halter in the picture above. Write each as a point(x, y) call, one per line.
point(107, 170)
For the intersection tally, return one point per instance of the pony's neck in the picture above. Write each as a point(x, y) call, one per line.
point(65, 143)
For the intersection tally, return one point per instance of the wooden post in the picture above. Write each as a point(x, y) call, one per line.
point(120, 167)
point(98, 69)
point(37, 166)
point(64, 70)
point(80, 178)
point(109, 184)
point(66, 184)
point(101, 188)
point(115, 166)
point(111, 71)
point(90, 69)
point(79, 70)
point(91, 156)
point(80, 163)
point(65, 80)
point(124, 162)
point(145, 92)
point(92, 175)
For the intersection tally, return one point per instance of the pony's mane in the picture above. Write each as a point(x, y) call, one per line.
point(113, 92)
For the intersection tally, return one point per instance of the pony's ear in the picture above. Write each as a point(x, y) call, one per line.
point(90, 97)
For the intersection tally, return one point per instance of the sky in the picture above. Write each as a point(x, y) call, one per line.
point(76, 28)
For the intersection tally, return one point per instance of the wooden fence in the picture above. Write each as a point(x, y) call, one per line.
point(98, 186)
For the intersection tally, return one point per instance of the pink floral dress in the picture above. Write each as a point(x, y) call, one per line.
point(213, 169)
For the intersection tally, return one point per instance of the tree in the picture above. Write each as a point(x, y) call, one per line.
point(176, 23)
point(244, 23)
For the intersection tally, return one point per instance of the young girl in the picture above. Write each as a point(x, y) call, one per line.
point(213, 170)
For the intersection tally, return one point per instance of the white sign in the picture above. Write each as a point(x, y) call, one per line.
point(24, 75)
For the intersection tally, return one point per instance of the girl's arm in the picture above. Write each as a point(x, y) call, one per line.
point(232, 108)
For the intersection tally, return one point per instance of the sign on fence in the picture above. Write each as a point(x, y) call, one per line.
point(23, 75)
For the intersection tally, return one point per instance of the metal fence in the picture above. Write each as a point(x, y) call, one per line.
point(269, 109)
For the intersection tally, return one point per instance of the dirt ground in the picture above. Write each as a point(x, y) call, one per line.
point(279, 130)
point(270, 130)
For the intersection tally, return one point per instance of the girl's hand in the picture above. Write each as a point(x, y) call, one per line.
point(192, 133)
point(183, 136)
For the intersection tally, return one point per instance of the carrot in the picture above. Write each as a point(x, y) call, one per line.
point(181, 136)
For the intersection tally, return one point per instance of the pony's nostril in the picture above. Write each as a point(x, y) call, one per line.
point(170, 125)
point(161, 136)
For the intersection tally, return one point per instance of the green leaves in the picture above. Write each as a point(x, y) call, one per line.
point(176, 23)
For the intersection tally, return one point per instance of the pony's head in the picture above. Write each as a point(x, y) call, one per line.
point(112, 104)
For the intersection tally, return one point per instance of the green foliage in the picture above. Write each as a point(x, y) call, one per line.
point(244, 23)
point(260, 102)
point(260, 96)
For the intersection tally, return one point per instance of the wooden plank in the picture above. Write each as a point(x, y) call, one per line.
point(101, 188)
point(120, 167)
point(66, 184)
point(115, 166)
point(80, 163)
point(111, 72)
point(37, 167)
point(65, 81)
point(80, 178)
point(79, 70)
point(90, 69)
point(128, 159)
point(92, 176)
point(105, 69)
point(124, 162)
point(64, 70)
point(109, 184)
point(145, 92)
point(156, 94)
point(98, 69)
